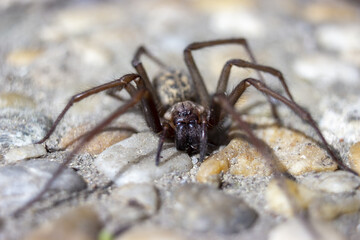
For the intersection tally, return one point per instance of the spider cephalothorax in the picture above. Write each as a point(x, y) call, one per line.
point(181, 109)
point(188, 120)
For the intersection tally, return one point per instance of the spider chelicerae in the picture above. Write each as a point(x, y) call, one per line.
point(179, 107)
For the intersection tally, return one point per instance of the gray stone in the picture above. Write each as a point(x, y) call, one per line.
point(332, 182)
point(21, 182)
point(143, 196)
point(18, 128)
point(133, 160)
point(203, 208)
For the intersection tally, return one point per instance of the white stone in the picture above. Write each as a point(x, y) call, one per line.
point(133, 160)
point(321, 69)
point(25, 152)
point(332, 182)
point(296, 229)
point(342, 38)
point(239, 22)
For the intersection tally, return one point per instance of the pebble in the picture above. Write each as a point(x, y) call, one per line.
point(203, 208)
point(128, 205)
point(18, 128)
point(98, 144)
point(25, 152)
point(77, 21)
point(81, 223)
point(16, 100)
point(297, 229)
point(324, 70)
point(150, 233)
point(133, 160)
point(325, 12)
point(295, 152)
point(287, 198)
point(19, 183)
point(23, 57)
point(330, 207)
point(340, 38)
point(211, 168)
point(354, 157)
point(332, 182)
point(341, 120)
point(92, 54)
point(244, 23)
point(144, 196)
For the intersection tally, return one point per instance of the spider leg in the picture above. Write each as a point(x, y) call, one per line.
point(224, 77)
point(224, 102)
point(90, 135)
point(139, 67)
point(197, 78)
point(118, 83)
point(303, 114)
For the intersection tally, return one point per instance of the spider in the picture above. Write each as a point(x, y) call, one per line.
point(179, 107)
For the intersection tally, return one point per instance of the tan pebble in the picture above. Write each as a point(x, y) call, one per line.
point(294, 152)
point(23, 57)
point(298, 229)
point(211, 168)
point(328, 209)
point(354, 157)
point(216, 6)
point(98, 144)
point(16, 100)
point(78, 224)
point(150, 233)
point(286, 197)
point(329, 12)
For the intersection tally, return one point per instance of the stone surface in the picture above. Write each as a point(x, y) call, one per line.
point(25, 152)
point(287, 198)
point(18, 128)
point(133, 160)
point(331, 207)
point(144, 196)
point(325, 70)
point(295, 152)
point(19, 183)
point(354, 157)
point(211, 168)
point(87, 43)
point(16, 100)
point(299, 230)
point(332, 182)
point(23, 57)
point(100, 142)
point(203, 208)
point(81, 223)
point(151, 233)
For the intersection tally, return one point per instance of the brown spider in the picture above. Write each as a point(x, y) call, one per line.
point(180, 108)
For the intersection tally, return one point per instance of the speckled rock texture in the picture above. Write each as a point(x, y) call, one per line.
point(51, 50)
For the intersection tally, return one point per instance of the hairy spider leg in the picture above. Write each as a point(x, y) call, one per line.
point(139, 67)
point(266, 152)
point(197, 78)
point(141, 95)
point(303, 114)
point(224, 79)
point(118, 83)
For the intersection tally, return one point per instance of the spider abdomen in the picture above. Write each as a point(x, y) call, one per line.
point(173, 87)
